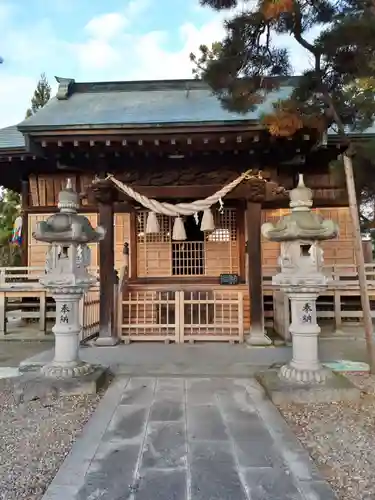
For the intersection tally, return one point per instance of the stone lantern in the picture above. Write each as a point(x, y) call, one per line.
point(302, 279)
point(67, 278)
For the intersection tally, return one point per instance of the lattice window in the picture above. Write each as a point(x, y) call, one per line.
point(216, 253)
point(225, 226)
point(188, 258)
point(165, 224)
point(221, 246)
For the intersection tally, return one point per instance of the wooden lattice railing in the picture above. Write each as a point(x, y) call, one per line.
point(24, 302)
point(27, 275)
point(155, 313)
point(340, 275)
point(338, 305)
point(23, 298)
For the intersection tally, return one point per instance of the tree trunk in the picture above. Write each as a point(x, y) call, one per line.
point(365, 298)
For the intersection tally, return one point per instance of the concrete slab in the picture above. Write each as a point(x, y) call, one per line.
point(9, 372)
point(85, 448)
point(162, 485)
point(267, 483)
point(236, 446)
point(199, 361)
point(214, 472)
point(336, 388)
point(32, 385)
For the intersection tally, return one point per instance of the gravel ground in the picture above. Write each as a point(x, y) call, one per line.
point(35, 439)
point(341, 439)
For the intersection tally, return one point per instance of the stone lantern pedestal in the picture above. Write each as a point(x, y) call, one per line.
point(66, 362)
point(67, 279)
point(302, 279)
point(304, 366)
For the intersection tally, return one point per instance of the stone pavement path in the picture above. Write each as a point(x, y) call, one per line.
point(187, 439)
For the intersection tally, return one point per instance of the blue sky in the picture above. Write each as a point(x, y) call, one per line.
point(99, 40)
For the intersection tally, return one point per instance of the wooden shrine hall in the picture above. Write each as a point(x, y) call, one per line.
point(170, 141)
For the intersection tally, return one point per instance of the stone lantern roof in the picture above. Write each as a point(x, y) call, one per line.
point(301, 223)
point(67, 226)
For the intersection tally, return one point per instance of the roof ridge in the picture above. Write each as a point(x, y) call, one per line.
point(68, 86)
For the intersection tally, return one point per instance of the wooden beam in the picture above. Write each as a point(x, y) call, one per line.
point(133, 246)
point(46, 209)
point(245, 190)
point(107, 332)
point(32, 147)
point(150, 130)
point(254, 256)
point(240, 216)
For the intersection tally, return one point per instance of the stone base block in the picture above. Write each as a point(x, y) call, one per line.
point(290, 373)
point(258, 338)
point(67, 370)
point(106, 341)
point(336, 388)
point(34, 385)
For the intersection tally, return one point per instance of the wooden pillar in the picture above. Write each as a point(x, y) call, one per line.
point(367, 251)
point(107, 332)
point(133, 246)
point(25, 221)
point(257, 334)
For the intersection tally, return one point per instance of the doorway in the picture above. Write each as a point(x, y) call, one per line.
point(188, 256)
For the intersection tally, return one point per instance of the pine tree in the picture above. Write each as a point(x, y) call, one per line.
point(336, 92)
point(42, 95)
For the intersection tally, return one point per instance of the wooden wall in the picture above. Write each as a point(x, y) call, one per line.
point(337, 251)
point(154, 257)
point(37, 250)
point(44, 189)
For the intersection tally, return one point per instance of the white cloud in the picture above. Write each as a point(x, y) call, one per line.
point(106, 26)
point(135, 8)
point(156, 62)
point(146, 56)
point(15, 94)
point(98, 54)
point(112, 24)
point(150, 56)
point(109, 52)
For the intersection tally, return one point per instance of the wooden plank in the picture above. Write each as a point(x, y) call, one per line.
point(42, 190)
point(254, 255)
point(57, 187)
point(241, 239)
point(337, 251)
point(34, 190)
point(51, 200)
point(133, 246)
point(107, 331)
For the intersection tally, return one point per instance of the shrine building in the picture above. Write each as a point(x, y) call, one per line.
point(171, 141)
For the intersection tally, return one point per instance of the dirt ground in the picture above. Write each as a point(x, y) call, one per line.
point(13, 352)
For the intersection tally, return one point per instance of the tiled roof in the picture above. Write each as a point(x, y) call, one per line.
point(11, 138)
point(121, 104)
point(134, 104)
